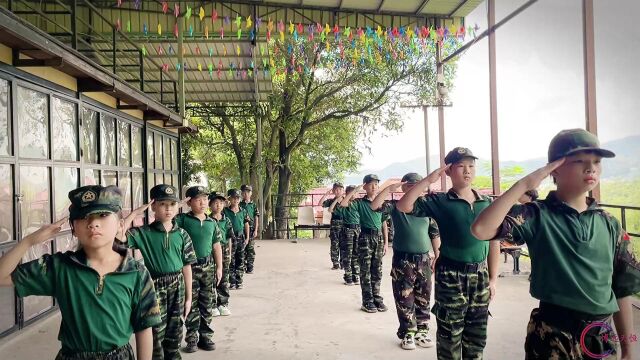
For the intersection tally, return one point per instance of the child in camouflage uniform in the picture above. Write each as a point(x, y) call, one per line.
point(348, 238)
point(90, 283)
point(217, 203)
point(254, 226)
point(463, 284)
point(416, 246)
point(240, 222)
point(168, 253)
point(336, 223)
point(582, 268)
point(207, 271)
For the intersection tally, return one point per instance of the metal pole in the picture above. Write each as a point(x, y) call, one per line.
point(440, 102)
point(74, 24)
point(493, 101)
point(259, 116)
point(590, 75)
point(425, 110)
point(181, 100)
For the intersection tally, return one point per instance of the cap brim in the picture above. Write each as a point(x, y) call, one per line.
point(600, 151)
point(460, 159)
point(219, 198)
point(163, 198)
point(85, 213)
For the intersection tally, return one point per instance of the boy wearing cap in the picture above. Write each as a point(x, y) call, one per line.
point(216, 204)
point(416, 245)
point(336, 223)
point(582, 271)
point(463, 285)
point(240, 223)
point(372, 244)
point(90, 282)
point(207, 271)
point(349, 238)
point(254, 225)
point(168, 253)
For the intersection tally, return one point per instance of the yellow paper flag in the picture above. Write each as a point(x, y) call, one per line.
point(206, 32)
point(159, 29)
point(249, 22)
point(201, 13)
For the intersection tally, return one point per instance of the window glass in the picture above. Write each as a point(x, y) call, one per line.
point(107, 140)
point(150, 154)
point(124, 183)
point(167, 153)
point(65, 134)
point(109, 178)
point(157, 142)
point(90, 136)
point(5, 124)
point(6, 204)
point(123, 144)
point(34, 305)
point(174, 154)
point(66, 179)
point(136, 146)
point(33, 123)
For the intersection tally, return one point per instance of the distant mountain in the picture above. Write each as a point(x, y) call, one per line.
point(626, 164)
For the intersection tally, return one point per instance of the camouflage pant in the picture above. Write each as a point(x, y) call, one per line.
point(546, 340)
point(390, 231)
point(334, 235)
point(167, 336)
point(411, 283)
point(250, 252)
point(203, 299)
point(370, 252)
point(223, 286)
point(236, 271)
point(122, 353)
point(349, 253)
point(461, 309)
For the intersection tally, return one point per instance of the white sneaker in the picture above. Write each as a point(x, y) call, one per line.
point(408, 342)
point(215, 312)
point(223, 310)
point(423, 339)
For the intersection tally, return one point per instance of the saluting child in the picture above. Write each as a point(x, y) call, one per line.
point(168, 253)
point(254, 226)
point(216, 204)
point(104, 296)
point(240, 222)
point(336, 222)
point(349, 236)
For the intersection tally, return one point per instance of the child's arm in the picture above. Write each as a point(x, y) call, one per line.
point(623, 320)
point(494, 267)
point(385, 237)
point(186, 273)
point(382, 195)
point(349, 196)
point(405, 204)
point(334, 203)
point(217, 258)
point(10, 260)
point(488, 222)
point(324, 196)
point(132, 216)
point(256, 224)
point(246, 233)
point(435, 243)
point(144, 344)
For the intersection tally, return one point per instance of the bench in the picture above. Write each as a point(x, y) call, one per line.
point(515, 251)
point(307, 221)
point(310, 227)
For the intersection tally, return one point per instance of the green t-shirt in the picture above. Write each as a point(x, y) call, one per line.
point(454, 217)
point(581, 261)
point(225, 227)
point(238, 219)
point(203, 233)
point(412, 234)
point(98, 314)
point(252, 211)
point(163, 252)
point(369, 219)
point(336, 215)
point(350, 214)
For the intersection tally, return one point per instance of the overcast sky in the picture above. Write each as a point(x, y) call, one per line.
point(540, 83)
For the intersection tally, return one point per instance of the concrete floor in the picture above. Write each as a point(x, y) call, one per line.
point(295, 307)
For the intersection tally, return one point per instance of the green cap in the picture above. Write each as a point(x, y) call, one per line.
point(94, 199)
point(569, 142)
point(369, 178)
point(164, 192)
point(411, 178)
point(216, 196)
point(458, 154)
point(194, 191)
point(233, 193)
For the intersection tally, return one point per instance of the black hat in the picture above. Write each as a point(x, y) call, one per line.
point(350, 188)
point(246, 188)
point(369, 178)
point(164, 192)
point(411, 178)
point(569, 142)
point(457, 154)
point(233, 193)
point(216, 196)
point(337, 185)
point(94, 199)
point(194, 191)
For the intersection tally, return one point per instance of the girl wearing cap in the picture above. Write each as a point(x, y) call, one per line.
point(88, 284)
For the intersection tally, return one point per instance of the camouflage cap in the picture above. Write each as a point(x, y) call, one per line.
point(569, 142)
point(369, 178)
point(94, 199)
point(216, 196)
point(164, 192)
point(458, 154)
point(246, 188)
point(337, 184)
point(411, 178)
point(195, 191)
point(233, 193)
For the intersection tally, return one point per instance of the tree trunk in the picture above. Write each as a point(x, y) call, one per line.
point(283, 200)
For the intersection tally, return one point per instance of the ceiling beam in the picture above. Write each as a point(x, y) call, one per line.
point(421, 7)
point(461, 4)
point(380, 5)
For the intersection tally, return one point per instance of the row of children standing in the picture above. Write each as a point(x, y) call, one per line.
point(105, 295)
point(583, 270)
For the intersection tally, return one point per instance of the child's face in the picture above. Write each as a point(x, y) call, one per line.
point(97, 230)
point(371, 188)
point(462, 173)
point(198, 204)
point(246, 195)
point(579, 173)
point(216, 206)
point(164, 210)
point(338, 191)
point(234, 201)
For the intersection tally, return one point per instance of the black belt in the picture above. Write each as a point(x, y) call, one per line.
point(116, 353)
point(337, 221)
point(365, 230)
point(401, 255)
point(566, 319)
point(461, 266)
point(352, 226)
point(205, 260)
point(166, 278)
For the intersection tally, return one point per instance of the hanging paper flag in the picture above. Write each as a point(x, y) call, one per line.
point(128, 25)
point(295, 35)
point(210, 68)
point(144, 29)
point(184, 51)
point(190, 30)
point(198, 50)
point(225, 50)
point(201, 13)
point(347, 31)
point(251, 34)
point(227, 20)
point(221, 32)
point(199, 67)
point(327, 29)
point(300, 29)
point(165, 7)
point(268, 35)
point(159, 29)
point(264, 63)
point(262, 50)
point(187, 16)
point(239, 33)
point(219, 64)
point(118, 25)
point(144, 50)
point(289, 49)
point(238, 21)
point(119, 3)
point(175, 29)
point(336, 31)
point(176, 10)
point(171, 50)
point(165, 67)
point(136, 4)
point(322, 36)
point(281, 36)
point(327, 46)
point(238, 50)
point(214, 15)
point(160, 50)
point(249, 22)
point(291, 27)
point(206, 31)
point(258, 22)
point(178, 66)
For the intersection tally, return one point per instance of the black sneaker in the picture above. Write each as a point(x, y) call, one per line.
point(382, 307)
point(191, 347)
point(232, 286)
point(239, 286)
point(348, 283)
point(335, 267)
point(356, 281)
point(249, 271)
point(370, 308)
point(207, 344)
